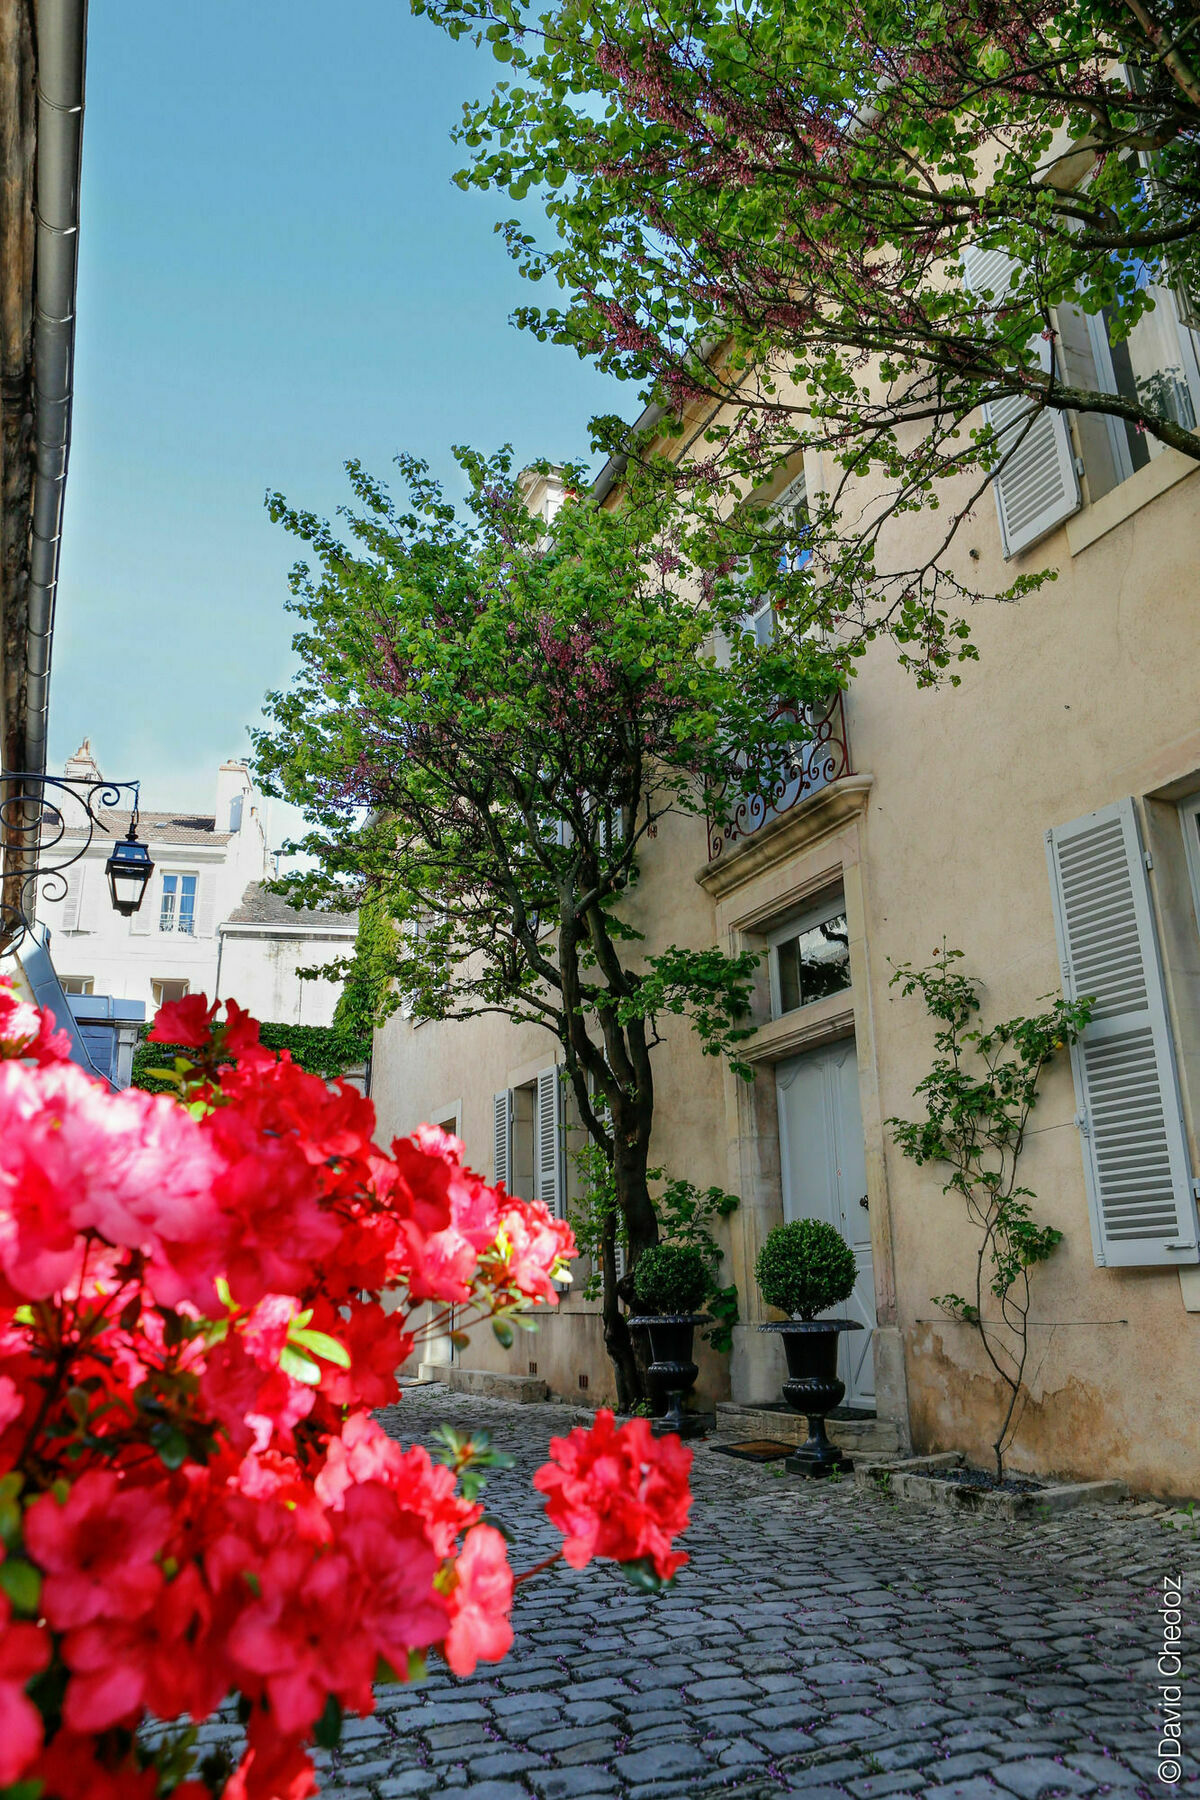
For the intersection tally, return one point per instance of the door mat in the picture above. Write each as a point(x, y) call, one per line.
point(757, 1450)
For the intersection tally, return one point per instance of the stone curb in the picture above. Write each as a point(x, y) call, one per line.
point(905, 1480)
point(483, 1384)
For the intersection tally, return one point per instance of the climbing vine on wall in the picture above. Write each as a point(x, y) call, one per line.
point(978, 1097)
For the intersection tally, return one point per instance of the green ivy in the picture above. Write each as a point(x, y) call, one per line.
point(321, 1050)
point(978, 1097)
point(363, 1001)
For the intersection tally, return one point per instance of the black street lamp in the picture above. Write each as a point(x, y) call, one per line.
point(33, 824)
point(129, 870)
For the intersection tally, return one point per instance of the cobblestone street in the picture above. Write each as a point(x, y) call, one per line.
point(822, 1641)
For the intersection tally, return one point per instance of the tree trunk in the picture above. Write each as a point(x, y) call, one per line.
point(617, 1341)
point(631, 1149)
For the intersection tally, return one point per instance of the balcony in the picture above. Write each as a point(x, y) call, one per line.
point(821, 759)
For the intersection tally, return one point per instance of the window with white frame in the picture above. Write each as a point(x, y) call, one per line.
point(78, 984)
point(165, 991)
point(809, 956)
point(1189, 819)
point(1155, 365)
point(790, 510)
point(177, 907)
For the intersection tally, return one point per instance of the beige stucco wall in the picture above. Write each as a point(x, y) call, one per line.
point(1085, 692)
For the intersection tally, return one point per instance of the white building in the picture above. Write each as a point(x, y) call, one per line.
point(206, 925)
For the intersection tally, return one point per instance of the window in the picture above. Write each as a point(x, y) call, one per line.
point(1155, 364)
point(810, 957)
point(1189, 819)
point(530, 1141)
point(791, 509)
point(164, 992)
point(177, 911)
point(78, 984)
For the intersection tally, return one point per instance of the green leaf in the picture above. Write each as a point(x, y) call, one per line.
point(293, 1362)
point(328, 1729)
point(22, 1583)
point(171, 1445)
point(322, 1345)
point(503, 1332)
point(641, 1575)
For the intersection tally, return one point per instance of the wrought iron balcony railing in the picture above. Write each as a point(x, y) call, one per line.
point(820, 759)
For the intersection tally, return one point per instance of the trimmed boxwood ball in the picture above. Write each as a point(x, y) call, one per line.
point(671, 1278)
point(805, 1267)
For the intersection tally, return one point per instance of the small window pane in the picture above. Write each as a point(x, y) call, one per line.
point(789, 975)
point(165, 991)
point(166, 916)
point(187, 903)
point(798, 551)
point(814, 963)
point(763, 625)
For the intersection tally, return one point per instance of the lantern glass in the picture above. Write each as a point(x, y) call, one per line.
point(129, 869)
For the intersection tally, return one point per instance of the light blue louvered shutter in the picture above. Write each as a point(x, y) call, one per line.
point(549, 1160)
point(1135, 1152)
point(502, 1137)
point(1038, 487)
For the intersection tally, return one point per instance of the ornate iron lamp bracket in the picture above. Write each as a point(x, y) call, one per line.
point(36, 814)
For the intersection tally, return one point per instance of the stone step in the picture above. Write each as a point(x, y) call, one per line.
point(869, 1436)
point(485, 1385)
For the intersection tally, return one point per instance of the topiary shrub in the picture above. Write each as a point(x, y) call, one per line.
point(805, 1267)
point(671, 1278)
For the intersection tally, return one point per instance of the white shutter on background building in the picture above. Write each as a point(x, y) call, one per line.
point(502, 1137)
point(205, 905)
point(73, 898)
point(549, 1160)
point(1135, 1153)
point(1038, 487)
point(145, 919)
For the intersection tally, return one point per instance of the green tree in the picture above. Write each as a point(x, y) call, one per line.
point(742, 193)
point(491, 718)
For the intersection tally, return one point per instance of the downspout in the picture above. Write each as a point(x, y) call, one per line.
point(61, 46)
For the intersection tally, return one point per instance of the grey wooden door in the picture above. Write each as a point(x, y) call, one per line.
point(824, 1176)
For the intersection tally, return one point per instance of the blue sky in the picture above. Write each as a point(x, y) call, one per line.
point(276, 274)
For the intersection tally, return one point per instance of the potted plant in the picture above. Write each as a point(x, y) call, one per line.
point(669, 1284)
point(804, 1268)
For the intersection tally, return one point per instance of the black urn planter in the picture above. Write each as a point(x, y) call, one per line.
point(672, 1371)
point(813, 1388)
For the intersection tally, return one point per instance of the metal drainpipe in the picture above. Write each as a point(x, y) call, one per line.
point(61, 44)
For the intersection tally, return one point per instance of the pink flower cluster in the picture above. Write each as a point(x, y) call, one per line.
point(194, 1499)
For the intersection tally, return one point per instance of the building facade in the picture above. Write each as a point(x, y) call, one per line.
point(207, 923)
point(1044, 819)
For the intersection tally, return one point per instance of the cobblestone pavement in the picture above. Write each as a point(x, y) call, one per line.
point(822, 1641)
